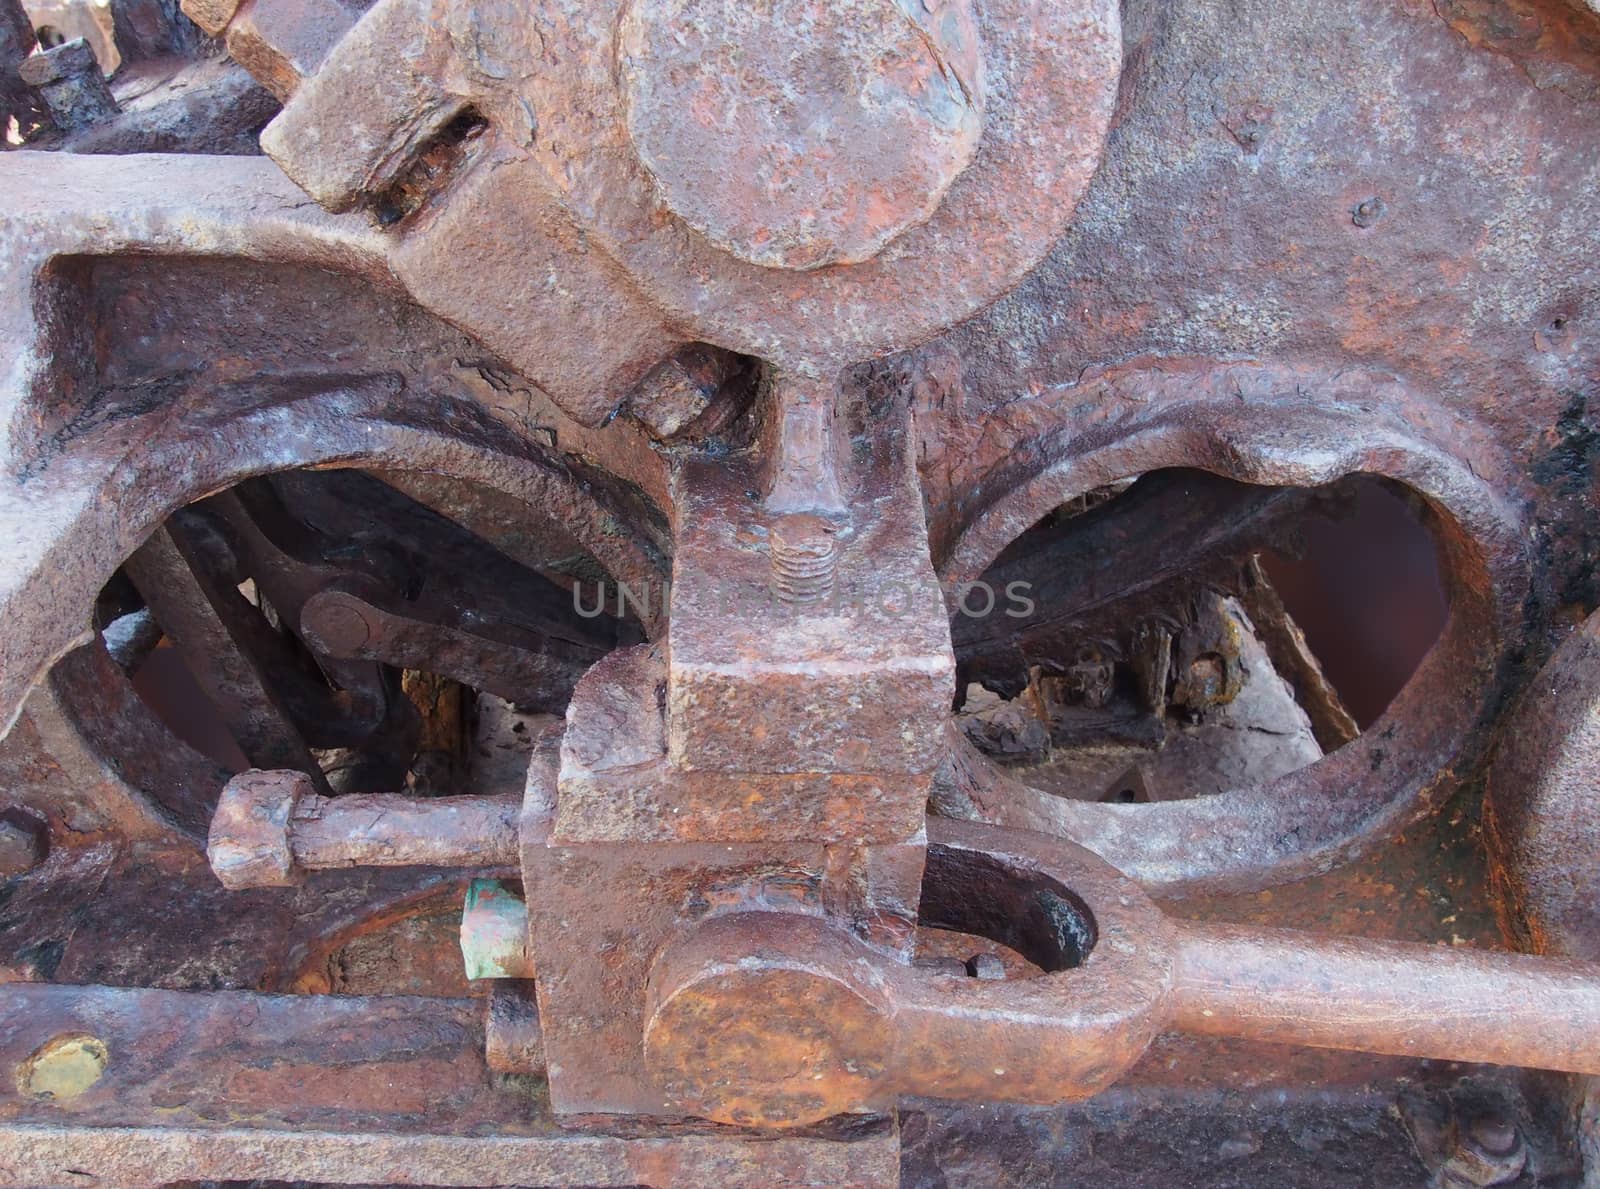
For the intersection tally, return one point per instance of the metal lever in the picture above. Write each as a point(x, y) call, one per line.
point(762, 1019)
point(1388, 997)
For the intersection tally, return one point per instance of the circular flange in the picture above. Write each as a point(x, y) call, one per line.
point(802, 133)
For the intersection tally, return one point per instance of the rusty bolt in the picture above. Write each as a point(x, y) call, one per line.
point(1467, 1147)
point(23, 842)
point(802, 550)
point(1489, 1152)
point(807, 133)
point(1368, 211)
point(692, 394)
point(270, 827)
point(1495, 1134)
point(249, 841)
point(69, 81)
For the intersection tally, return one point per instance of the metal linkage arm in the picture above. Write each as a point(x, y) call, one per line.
point(762, 1019)
point(1388, 997)
point(776, 1019)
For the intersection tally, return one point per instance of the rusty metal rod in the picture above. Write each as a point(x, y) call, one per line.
point(1388, 997)
point(393, 830)
point(269, 827)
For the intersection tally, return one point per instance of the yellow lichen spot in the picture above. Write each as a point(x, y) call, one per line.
point(63, 1068)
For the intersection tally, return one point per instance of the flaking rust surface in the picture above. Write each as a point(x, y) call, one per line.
point(1222, 225)
point(1321, 237)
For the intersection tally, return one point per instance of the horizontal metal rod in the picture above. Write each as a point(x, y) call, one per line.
point(1388, 997)
point(269, 827)
point(393, 830)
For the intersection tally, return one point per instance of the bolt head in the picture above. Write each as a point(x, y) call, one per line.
point(335, 622)
point(249, 841)
point(1495, 1135)
point(63, 1068)
point(802, 133)
point(690, 395)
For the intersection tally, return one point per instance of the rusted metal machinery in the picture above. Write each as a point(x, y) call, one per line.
point(707, 592)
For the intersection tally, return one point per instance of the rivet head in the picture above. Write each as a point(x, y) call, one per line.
point(1368, 212)
point(337, 623)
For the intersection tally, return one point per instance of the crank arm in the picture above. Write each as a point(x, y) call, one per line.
point(764, 1019)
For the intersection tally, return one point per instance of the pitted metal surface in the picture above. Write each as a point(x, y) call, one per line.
point(902, 561)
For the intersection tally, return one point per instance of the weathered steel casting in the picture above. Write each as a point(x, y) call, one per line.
point(714, 592)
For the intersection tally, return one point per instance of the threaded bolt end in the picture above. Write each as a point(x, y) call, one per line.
point(803, 558)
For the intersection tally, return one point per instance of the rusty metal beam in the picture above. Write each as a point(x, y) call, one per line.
point(226, 646)
point(62, 1157)
point(335, 1089)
